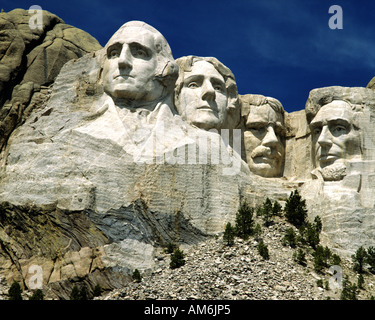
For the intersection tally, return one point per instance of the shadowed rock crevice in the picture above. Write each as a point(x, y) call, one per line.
point(139, 222)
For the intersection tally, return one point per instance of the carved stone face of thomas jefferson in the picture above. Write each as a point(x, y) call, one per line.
point(335, 138)
point(263, 141)
point(203, 96)
point(205, 93)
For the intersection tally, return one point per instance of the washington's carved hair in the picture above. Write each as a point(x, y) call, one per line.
point(167, 69)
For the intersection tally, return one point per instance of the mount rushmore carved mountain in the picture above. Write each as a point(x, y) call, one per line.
point(108, 154)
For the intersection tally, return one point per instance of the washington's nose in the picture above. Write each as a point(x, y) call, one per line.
point(124, 60)
point(270, 139)
point(325, 137)
point(208, 91)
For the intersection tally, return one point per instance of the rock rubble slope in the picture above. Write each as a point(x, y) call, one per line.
point(215, 271)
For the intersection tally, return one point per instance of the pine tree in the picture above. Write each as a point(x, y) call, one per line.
point(267, 212)
point(335, 260)
point(244, 221)
point(359, 259)
point(349, 290)
point(312, 235)
point(318, 224)
point(228, 236)
point(295, 209)
point(136, 276)
point(290, 238)
point(177, 259)
point(321, 255)
point(300, 257)
point(276, 209)
point(263, 250)
point(74, 294)
point(97, 291)
point(37, 295)
point(370, 258)
point(15, 291)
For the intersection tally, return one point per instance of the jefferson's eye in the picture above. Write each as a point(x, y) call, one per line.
point(218, 86)
point(192, 85)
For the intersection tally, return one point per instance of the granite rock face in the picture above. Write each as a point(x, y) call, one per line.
point(342, 154)
point(128, 150)
point(126, 184)
point(30, 59)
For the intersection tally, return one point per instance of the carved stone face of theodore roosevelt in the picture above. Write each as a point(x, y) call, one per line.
point(263, 139)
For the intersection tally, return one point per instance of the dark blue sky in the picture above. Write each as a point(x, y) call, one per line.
point(278, 48)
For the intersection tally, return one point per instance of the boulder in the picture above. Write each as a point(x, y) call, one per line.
point(31, 58)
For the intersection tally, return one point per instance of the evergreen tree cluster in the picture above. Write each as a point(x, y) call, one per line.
point(349, 290)
point(244, 224)
point(15, 293)
point(308, 235)
point(364, 258)
point(177, 255)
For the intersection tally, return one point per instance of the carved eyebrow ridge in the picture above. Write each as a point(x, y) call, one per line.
point(131, 44)
point(201, 77)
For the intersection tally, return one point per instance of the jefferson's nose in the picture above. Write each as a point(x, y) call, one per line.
point(208, 91)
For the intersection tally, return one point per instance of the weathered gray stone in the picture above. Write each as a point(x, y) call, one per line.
point(31, 57)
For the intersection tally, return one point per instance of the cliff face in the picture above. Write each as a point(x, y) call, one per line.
point(103, 213)
point(30, 59)
point(89, 192)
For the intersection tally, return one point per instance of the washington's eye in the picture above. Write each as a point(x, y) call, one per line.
point(140, 53)
point(113, 53)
